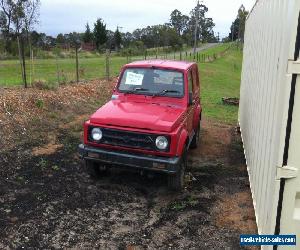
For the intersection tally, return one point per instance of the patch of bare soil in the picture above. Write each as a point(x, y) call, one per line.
point(48, 201)
point(236, 212)
point(48, 149)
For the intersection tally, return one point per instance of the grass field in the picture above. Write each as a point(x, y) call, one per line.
point(221, 78)
point(62, 70)
point(215, 50)
point(58, 70)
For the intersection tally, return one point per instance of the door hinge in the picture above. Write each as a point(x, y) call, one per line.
point(293, 67)
point(286, 172)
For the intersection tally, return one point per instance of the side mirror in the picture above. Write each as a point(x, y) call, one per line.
point(191, 99)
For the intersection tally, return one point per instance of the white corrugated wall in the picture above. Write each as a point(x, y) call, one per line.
point(270, 37)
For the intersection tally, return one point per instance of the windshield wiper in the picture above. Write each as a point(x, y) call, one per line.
point(165, 91)
point(135, 90)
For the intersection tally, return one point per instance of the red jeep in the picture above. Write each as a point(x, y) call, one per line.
point(150, 123)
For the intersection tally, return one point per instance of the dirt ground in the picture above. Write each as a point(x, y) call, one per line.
point(48, 201)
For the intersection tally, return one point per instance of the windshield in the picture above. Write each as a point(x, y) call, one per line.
point(155, 82)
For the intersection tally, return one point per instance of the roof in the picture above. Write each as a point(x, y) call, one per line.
point(182, 65)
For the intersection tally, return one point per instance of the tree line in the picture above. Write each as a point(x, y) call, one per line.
point(178, 31)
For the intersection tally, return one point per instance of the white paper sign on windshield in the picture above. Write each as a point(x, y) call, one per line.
point(134, 79)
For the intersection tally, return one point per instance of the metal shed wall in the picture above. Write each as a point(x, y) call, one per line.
point(270, 39)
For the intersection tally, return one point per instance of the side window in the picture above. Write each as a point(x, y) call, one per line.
point(190, 78)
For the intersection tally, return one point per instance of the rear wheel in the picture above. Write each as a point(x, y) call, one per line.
point(196, 138)
point(176, 181)
point(94, 169)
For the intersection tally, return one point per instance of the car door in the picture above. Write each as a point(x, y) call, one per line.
point(191, 108)
point(196, 92)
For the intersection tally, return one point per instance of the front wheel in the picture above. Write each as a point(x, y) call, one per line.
point(176, 181)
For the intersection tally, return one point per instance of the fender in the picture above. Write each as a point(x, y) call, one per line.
point(183, 139)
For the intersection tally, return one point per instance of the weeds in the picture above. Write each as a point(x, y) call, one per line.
point(178, 206)
point(55, 168)
point(43, 163)
point(39, 103)
point(181, 205)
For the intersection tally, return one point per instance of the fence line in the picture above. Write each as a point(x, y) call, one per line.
point(56, 71)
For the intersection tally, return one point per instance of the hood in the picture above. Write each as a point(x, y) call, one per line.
point(142, 115)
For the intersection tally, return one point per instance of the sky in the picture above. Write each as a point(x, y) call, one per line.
point(66, 16)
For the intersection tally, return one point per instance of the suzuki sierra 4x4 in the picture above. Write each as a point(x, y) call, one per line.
point(151, 121)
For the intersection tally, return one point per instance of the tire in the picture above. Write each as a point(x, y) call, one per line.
point(196, 138)
point(93, 169)
point(176, 181)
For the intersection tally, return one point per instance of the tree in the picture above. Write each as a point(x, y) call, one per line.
point(110, 41)
point(100, 33)
point(242, 15)
point(31, 9)
point(74, 38)
point(21, 15)
point(3, 22)
point(127, 38)
point(60, 39)
point(207, 33)
point(178, 21)
point(117, 39)
point(200, 27)
point(6, 16)
point(137, 34)
point(238, 26)
point(88, 35)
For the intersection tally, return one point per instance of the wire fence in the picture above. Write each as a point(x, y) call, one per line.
point(57, 71)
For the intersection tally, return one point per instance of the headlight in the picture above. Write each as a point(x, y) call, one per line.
point(161, 142)
point(96, 134)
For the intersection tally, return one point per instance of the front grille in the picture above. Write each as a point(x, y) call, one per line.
point(128, 139)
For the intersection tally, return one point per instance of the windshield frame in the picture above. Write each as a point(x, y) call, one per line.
point(145, 93)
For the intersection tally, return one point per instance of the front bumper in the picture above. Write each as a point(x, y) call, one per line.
point(154, 163)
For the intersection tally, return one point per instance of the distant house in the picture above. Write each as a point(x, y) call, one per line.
point(88, 46)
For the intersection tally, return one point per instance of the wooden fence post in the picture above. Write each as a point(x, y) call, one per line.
point(57, 70)
point(77, 65)
point(107, 54)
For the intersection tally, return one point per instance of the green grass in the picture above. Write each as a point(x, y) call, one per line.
point(221, 78)
point(62, 70)
point(215, 50)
